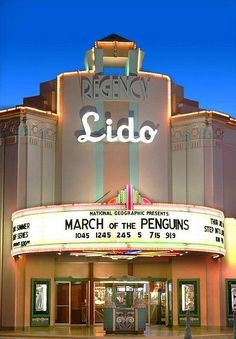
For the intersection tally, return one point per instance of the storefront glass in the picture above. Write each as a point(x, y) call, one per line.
point(152, 295)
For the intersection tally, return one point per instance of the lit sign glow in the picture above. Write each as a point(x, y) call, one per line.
point(125, 133)
point(83, 227)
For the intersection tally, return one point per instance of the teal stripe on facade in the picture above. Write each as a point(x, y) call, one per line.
point(99, 158)
point(133, 149)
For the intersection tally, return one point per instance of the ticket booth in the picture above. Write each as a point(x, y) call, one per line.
point(125, 307)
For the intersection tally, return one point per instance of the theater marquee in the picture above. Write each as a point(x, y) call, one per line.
point(93, 227)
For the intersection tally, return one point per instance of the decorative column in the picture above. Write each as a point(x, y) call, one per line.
point(91, 279)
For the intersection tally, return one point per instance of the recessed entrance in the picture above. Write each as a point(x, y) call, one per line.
point(73, 306)
point(156, 296)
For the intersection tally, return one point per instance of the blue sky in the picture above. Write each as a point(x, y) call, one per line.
point(194, 42)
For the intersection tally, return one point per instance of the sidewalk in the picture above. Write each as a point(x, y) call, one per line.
point(154, 331)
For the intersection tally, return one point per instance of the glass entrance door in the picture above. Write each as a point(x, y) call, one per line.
point(78, 303)
point(158, 302)
point(169, 303)
point(62, 303)
point(99, 301)
point(71, 303)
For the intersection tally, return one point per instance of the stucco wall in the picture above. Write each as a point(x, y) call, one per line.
point(204, 162)
point(90, 170)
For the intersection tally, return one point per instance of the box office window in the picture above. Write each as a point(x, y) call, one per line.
point(189, 300)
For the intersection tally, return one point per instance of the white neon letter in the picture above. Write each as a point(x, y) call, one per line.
point(151, 132)
point(87, 136)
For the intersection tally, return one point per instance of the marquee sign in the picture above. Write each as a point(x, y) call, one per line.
point(95, 226)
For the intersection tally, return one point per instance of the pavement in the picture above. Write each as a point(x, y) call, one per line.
point(93, 332)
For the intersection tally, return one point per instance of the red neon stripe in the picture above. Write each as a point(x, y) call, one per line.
point(129, 197)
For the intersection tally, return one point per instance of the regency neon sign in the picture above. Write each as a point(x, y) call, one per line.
point(110, 87)
point(124, 133)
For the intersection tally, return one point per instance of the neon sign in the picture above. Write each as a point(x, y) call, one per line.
point(115, 87)
point(125, 133)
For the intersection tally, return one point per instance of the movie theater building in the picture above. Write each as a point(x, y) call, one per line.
point(118, 201)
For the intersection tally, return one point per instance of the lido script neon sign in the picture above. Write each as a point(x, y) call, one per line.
point(124, 133)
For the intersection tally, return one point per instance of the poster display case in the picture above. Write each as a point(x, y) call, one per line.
point(230, 285)
point(189, 300)
point(40, 301)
